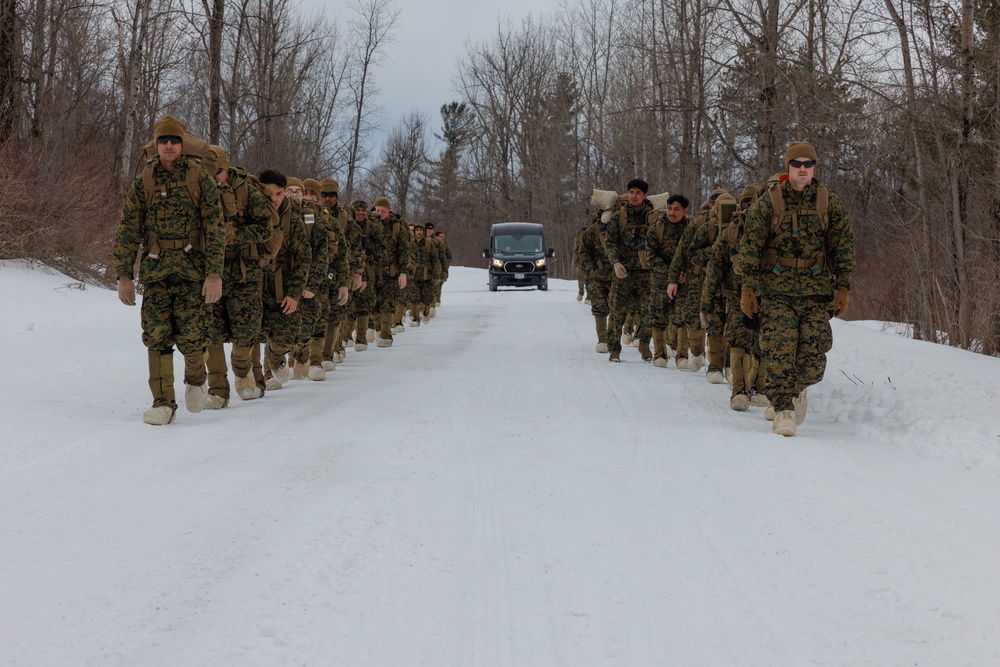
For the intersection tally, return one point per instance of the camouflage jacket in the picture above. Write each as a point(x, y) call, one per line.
point(294, 258)
point(250, 222)
point(719, 274)
point(662, 239)
point(427, 260)
point(447, 257)
point(593, 258)
point(376, 248)
point(624, 241)
point(173, 219)
point(681, 262)
point(317, 223)
point(351, 233)
point(399, 258)
point(831, 251)
point(442, 251)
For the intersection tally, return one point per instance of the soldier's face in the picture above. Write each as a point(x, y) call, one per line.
point(382, 212)
point(277, 194)
point(636, 196)
point(311, 195)
point(222, 175)
point(419, 233)
point(294, 192)
point(676, 212)
point(360, 213)
point(169, 149)
point(328, 199)
point(800, 172)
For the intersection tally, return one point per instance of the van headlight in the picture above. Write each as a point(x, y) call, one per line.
point(497, 263)
point(539, 263)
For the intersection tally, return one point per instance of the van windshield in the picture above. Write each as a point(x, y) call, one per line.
point(525, 244)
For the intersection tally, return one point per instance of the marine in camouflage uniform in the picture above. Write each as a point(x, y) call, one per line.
point(799, 265)
point(581, 273)
point(328, 346)
point(626, 239)
point(594, 261)
point(723, 205)
point(285, 278)
point(395, 267)
point(685, 289)
point(236, 316)
point(372, 239)
point(442, 251)
point(172, 211)
point(446, 258)
point(661, 245)
point(426, 274)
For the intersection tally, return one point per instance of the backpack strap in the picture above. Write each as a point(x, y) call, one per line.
point(771, 257)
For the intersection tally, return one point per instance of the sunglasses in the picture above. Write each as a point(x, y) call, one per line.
point(328, 194)
point(169, 140)
point(799, 164)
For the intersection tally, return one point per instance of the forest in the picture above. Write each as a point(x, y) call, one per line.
point(899, 97)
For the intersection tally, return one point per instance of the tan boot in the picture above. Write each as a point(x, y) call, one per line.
point(736, 356)
point(218, 376)
point(161, 384)
point(659, 348)
point(601, 321)
point(644, 350)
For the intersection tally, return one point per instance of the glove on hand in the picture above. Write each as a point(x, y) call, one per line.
point(840, 301)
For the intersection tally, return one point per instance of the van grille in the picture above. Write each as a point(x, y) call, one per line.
point(519, 267)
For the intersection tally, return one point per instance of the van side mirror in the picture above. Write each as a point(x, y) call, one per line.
point(551, 253)
point(486, 253)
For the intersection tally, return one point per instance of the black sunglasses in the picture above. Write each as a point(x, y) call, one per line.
point(169, 139)
point(328, 194)
point(798, 164)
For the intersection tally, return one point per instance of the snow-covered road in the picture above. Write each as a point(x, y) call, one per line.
point(489, 491)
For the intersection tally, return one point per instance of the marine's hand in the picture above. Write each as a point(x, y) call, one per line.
point(748, 301)
point(306, 294)
point(672, 290)
point(212, 289)
point(288, 305)
point(840, 301)
point(356, 281)
point(705, 319)
point(126, 291)
point(343, 293)
point(402, 281)
point(620, 270)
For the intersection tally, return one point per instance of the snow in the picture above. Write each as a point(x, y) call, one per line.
point(490, 491)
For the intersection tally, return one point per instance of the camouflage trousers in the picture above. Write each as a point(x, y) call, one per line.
point(737, 334)
point(388, 299)
point(689, 302)
point(628, 295)
point(174, 312)
point(280, 330)
point(795, 336)
point(581, 281)
point(236, 316)
point(598, 289)
point(661, 306)
point(312, 323)
point(421, 295)
point(364, 302)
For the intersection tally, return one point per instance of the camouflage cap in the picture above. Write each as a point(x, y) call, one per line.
point(311, 184)
point(329, 185)
point(383, 201)
point(221, 157)
point(168, 126)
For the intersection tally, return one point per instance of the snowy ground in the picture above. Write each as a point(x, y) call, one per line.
point(489, 491)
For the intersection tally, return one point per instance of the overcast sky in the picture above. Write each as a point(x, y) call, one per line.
point(430, 39)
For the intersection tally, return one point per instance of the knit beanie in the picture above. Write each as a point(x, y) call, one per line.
point(329, 185)
point(168, 126)
point(799, 149)
point(382, 201)
point(311, 184)
point(292, 181)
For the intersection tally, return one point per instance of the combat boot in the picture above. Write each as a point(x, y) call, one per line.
point(739, 401)
point(659, 345)
point(384, 342)
point(218, 377)
point(195, 380)
point(415, 316)
point(360, 347)
point(682, 363)
point(579, 296)
point(800, 403)
point(716, 357)
point(602, 333)
point(300, 371)
point(615, 356)
point(784, 423)
point(317, 374)
point(246, 387)
point(715, 377)
point(647, 355)
point(161, 384)
point(432, 312)
point(759, 400)
point(277, 365)
point(695, 363)
point(736, 365)
point(770, 412)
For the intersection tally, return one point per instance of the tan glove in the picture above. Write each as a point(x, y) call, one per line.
point(748, 301)
point(212, 289)
point(840, 301)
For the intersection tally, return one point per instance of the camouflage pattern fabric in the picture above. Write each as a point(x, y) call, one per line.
point(628, 294)
point(281, 330)
point(795, 337)
point(661, 245)
point(595, 263)
point(174, 312)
